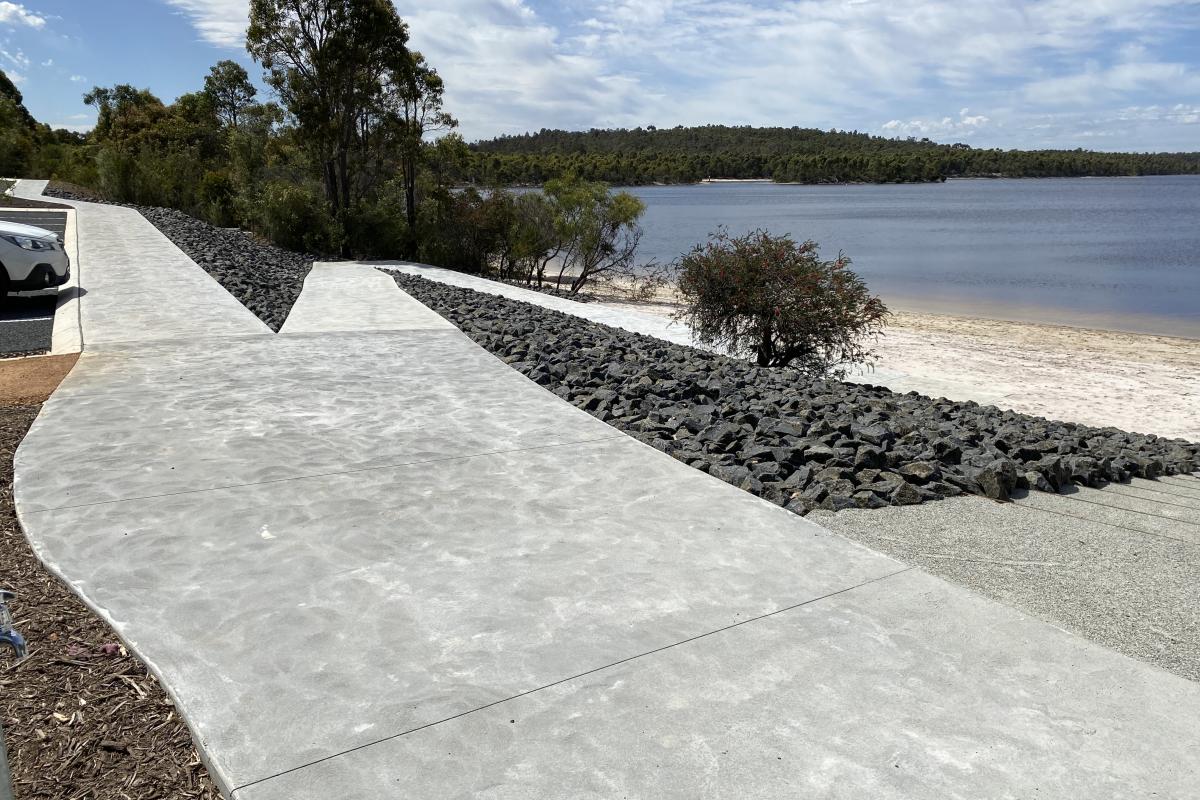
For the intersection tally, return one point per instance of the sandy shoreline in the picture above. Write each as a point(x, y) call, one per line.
point(1137, 382)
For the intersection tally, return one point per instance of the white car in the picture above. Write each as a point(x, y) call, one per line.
point(31, 258)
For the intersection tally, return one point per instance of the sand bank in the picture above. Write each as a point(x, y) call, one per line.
point(1137, 382)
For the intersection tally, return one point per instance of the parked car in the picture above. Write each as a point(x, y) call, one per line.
point(31, 258)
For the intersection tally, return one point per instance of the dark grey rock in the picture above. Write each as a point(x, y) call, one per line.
point(920, 472)
point(795, 440)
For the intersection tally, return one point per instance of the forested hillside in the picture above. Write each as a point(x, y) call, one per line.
point(803, 155)
point(27, 146)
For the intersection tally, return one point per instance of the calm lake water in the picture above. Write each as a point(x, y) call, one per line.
point(1119, 253)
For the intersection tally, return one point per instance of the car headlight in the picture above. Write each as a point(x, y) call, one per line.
point(25, 243)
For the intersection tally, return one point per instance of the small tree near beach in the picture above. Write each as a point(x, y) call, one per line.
point(773, 299)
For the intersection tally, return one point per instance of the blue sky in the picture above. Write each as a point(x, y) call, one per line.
point(1101, 74)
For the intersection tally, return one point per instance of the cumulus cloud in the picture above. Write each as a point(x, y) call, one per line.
point(18, 14)
point(74, 127)
point(963, 126)
point(888, 66)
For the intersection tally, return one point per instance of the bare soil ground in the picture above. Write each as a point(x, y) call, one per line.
point(29, 381)
point(83, 719)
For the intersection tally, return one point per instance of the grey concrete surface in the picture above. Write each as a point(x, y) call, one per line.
point(347, 296)
point(298, 619)
point(141, 287)
point(381, 563)
point(903, 688)
point(181, 417)
point(1122, 577)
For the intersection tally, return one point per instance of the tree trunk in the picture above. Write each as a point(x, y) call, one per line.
point(765, 348)
point(343, 166)
point(331, 189)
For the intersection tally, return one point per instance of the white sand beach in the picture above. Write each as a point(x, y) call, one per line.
point(1137, 382)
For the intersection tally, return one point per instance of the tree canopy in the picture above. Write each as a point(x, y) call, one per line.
point(336, 66)
point(228, 86)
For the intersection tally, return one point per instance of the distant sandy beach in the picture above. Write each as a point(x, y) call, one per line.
point(1137, 382)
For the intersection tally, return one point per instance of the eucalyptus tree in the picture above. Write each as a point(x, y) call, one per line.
point(599, 231)
point(228, 85)
point(335, 65)
point(418, 102)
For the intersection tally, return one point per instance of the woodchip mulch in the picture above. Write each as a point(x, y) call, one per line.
point(83, 719)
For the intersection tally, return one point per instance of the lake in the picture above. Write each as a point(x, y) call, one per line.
point(1115, 253)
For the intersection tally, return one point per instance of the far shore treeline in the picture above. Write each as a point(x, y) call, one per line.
point(793, 155)
point(354, 153)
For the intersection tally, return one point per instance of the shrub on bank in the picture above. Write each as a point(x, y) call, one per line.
point(773, 299)
point(295, 217)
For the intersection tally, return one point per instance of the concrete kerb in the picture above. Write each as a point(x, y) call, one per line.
point(67, 336)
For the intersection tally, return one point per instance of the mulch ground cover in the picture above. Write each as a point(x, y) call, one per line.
point(82, 717)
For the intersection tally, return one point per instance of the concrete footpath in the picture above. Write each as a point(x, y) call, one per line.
point(369, 560)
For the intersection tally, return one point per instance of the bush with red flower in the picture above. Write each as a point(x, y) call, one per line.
point(772, 299)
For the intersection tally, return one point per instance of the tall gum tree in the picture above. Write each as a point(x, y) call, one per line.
point(332, 63)
point(232, 93)
point(419, 105)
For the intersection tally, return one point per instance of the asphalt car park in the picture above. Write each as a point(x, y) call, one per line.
point(27, 318)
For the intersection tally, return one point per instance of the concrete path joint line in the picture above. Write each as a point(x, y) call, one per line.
point(1159, 491)
point(1109, 524)
point(1156, 501)
point(1135, 511)
point(583, 674)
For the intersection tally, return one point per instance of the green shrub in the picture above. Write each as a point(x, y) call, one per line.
point(296, 217)
point(377, 229)
point(216, 197)
point(768, 297)
point(465, 230)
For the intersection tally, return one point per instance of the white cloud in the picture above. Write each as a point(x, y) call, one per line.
point(74, 127)
point(1106, 83)
point(17, 14)
point(77, 79)
point(1178, 113)
point(219, 22)
point(15, 58)
point(963, 126)
point(516, 65)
